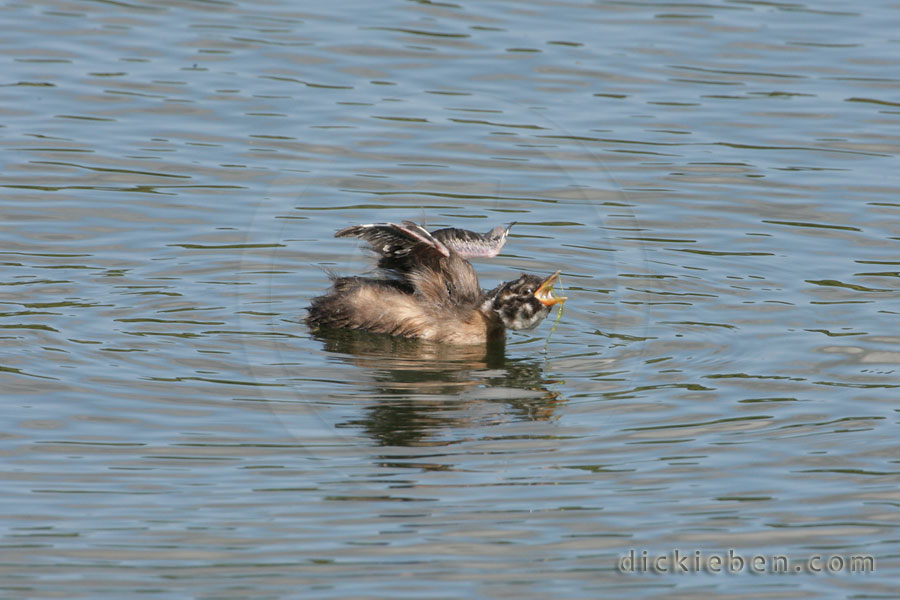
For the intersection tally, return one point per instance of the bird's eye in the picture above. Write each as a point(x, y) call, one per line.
point(529, 290)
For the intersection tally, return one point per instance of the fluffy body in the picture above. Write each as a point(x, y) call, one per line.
point(381, 307)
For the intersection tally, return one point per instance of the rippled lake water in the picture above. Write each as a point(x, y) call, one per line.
point(718, 182)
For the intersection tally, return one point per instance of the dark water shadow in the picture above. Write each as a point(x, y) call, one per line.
point(421, 389)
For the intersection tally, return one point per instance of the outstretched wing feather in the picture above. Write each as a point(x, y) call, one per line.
point(392, 240)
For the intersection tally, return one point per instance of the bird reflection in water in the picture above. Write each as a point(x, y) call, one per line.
point(421, 388)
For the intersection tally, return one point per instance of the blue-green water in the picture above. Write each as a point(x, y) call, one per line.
point(718, 183)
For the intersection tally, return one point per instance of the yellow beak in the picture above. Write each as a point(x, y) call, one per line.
point(544, 293)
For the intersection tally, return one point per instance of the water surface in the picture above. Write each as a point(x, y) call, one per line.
point(718, 183)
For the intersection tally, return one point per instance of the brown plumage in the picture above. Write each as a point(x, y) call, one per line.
point(430, 290)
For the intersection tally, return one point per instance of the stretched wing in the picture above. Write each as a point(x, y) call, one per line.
point(394, 241)
point(409, 252)
point(469, 244)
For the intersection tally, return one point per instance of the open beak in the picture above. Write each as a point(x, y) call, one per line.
point(544, 293)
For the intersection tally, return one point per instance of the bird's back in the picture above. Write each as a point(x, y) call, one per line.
point(383, 306)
